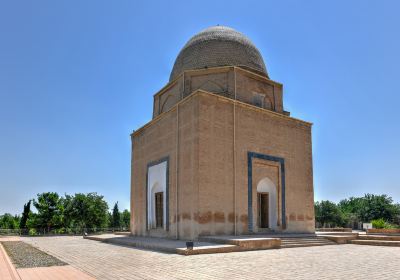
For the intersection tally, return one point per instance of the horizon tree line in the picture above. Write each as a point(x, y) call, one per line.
point(66, 214)
point(90, 213)
point(380, 210)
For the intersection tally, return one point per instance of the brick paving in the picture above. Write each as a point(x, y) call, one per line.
point(65, 272)
point(107, 261)
point(9, 272)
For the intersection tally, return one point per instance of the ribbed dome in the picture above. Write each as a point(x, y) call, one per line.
point(218, 46)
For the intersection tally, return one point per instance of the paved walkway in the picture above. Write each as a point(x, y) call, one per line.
point(106, 261)
point(8, 271)
point(65, 272)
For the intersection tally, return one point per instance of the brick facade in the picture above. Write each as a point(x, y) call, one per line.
point(204, 121)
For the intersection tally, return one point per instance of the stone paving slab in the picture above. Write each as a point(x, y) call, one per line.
point(9, 238)
point(65, 272)
point(106, 261)
point(7, 270)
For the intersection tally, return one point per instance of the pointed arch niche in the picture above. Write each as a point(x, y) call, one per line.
point(267, 204)
point(157, 202)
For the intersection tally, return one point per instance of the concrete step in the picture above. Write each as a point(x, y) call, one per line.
point(379, 237)
point(305, 245)
point(305, 242)
point(245, 242)
point(286, 235)
point(302, 242)
point(254, 242)
point(340, 239)
point(319, 233)
point(309, 240)
point(376, 242)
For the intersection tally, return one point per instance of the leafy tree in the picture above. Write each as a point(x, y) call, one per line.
point(396, 219)
point(50, 210)
point(351, 205)
point(8, 221)
point(25, 215)
point(126, 219)
point(109, 220)
point(116, 216)
point(370, 207)
point(75, 211)
point(68, 221)
point(97, 211)
point(351, 209)
point(85, 211)
point(33, 222)
point(378, 207)
point(328, 213)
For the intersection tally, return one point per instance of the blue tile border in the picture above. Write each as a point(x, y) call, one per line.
point(150, 164)
point(250, 156)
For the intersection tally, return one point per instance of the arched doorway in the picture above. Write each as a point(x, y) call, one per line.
point(267, 210)
point(157, 196)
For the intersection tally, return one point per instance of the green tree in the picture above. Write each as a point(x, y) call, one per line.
point(25, 215)
point(85, 211)
point(397, 216)
point(370, 207)
point(126, 219)
point(116, 216)
point(328, 214)
point(351, 209)
point(8, 221)
point(109, 220)
point(75, 211)
point(33, 222)
point(376, 207)
point(97, 211)
point(351, 205)
point(50, 211)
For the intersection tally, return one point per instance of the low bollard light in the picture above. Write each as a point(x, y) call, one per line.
point(189, 245)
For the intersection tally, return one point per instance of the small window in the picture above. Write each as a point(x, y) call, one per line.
point(258, 100)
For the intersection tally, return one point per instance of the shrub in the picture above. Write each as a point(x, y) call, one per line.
point(32, 231)
point(58, 231)
point(381, 223)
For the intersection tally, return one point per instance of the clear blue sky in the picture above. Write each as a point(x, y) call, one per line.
point(76, 77)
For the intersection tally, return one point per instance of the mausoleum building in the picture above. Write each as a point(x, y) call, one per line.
point(221, 156)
